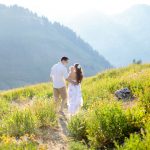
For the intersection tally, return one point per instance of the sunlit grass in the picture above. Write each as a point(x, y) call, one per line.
point(102, 120)
point(106, 118)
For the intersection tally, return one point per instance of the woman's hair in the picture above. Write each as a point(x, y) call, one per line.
point(79, 73)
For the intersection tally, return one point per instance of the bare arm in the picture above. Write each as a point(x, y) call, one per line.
point(69, 79)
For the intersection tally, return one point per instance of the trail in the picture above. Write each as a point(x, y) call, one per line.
point(56, 139)
point(53, 138)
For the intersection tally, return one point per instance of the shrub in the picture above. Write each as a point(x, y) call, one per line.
point(19, 123)
point(133, 142)
point(137, 141)
point(45, 112)
point(77, 126)
point(106, 122)
point(11, 143)
point(145, 99)
point(135, 117)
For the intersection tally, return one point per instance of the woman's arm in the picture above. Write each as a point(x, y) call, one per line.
point(69, 79)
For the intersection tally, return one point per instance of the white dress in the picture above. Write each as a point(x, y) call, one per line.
point(75, 100)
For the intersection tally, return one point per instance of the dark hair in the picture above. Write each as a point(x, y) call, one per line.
point(79, 73)
point(64, 58)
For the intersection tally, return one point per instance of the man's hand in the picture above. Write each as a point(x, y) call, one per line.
point(71, 81)
point(74, 83)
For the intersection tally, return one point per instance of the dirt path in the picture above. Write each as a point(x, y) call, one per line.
point(52, 138)
point(55, 139)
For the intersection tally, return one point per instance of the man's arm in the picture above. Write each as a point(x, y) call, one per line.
point(51, 74)
point(69, 80)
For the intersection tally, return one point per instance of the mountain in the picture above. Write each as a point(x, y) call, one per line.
point(120, 38)
point(30, 45)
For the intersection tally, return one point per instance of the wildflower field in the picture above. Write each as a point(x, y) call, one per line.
point(104, 122)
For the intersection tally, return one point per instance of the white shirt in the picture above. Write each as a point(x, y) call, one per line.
point(58, 74)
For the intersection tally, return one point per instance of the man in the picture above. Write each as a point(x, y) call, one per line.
point(59, 75)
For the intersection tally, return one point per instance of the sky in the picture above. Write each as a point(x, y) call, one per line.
point(65, 10)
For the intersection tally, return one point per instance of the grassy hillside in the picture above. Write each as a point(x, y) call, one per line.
point(104, 122)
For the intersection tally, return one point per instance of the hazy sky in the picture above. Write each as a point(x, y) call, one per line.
point(64, 10)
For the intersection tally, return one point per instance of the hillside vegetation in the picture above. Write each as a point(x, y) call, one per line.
point(103, 123)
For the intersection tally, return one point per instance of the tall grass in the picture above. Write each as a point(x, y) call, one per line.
point(11, 143)
point(28, 120)
point(107, 120)
point(77, 126)
point(103, 119)
point(43, 90)
point(45, 112)
point(19, 123)
point(137, 141)
point(4, 108)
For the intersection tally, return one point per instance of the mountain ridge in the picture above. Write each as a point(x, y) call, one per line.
point(30, 45)
point(122, 36)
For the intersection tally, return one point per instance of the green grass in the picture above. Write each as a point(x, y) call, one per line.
point(11, 143)
point(103, 120)
point(29, 119)
point(77, 126)
point(77, 146)
point(135, 77)
point(107, 120)
point(43, 90)
point(19, 123)
point(45, 112)
point(106, 123)
point(137, 141)
point(4, 108)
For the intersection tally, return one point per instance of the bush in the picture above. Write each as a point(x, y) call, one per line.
point(45, 112)
point(19, 123)
point(11, 143)
point(133, 142)
point(135, 117)
point(145, 99)
point(77, 126)
point(137, 141)
point(106, 122)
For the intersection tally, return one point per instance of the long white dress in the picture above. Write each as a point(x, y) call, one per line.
point(75, 100)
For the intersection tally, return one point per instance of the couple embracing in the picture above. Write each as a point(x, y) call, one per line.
point(71, 95)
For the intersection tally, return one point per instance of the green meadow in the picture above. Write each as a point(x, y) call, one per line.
point(104, 122)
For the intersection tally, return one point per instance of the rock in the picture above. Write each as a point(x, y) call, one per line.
point(124, 94)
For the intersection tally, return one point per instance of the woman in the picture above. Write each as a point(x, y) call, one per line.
point(75, 100)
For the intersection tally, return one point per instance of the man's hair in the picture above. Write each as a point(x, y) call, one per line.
point(64, 58)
